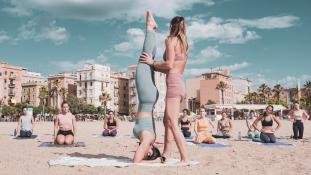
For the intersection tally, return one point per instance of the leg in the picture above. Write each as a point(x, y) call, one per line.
point(168, 138)
point(295, 130)
point(301, 129)
point(264, 138)
point(69, 139)
point(272, 138)
point(209, 140)
point(113, 133)
point(172, 110)
point(60, 139)
point(105, 132)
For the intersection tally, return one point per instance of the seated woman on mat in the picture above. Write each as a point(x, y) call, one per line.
point(185, 123)
point(252, 132)
point(65, 126)
point(267, 130)
point(25, 124)
point(111, 125)
point(224, 127)
point(201, 129)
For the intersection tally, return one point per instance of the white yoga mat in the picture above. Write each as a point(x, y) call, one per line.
point(94, 162)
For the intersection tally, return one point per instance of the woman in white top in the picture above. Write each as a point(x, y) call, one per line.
point(298, 116)
point(25, 124)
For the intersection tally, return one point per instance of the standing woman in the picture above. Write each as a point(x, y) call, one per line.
point(185, 123)
point(267, 130)
point(65, 126)
point(298, 116)
point(175, 59)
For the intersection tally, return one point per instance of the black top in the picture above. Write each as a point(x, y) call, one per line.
point(264, 122)
point(184, 123)
point(113, 123)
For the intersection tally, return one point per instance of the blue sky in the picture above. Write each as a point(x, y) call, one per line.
point(267, 41)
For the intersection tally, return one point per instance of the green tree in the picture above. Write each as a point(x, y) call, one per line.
point(277, 89)
point(222, 86)
point(265, 92)
point(54, 92)
point(74, 104)
point(104, 98)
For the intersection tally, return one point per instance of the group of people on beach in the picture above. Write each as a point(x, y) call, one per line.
point(176, 129)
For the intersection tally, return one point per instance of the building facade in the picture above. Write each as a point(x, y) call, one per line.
point(60, 86)
point(241, 87)
point(11, 83)
point(28, 76)
point(119, 84)
point(31, 91)
point(160, 81)
point(93, 80)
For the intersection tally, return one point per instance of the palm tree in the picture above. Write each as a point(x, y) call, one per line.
point(43, 95)
point(265, 92)
point(63, 93)
point(54, 92)
point(252, 98)
point(307, 87)
point(278, 89)
point(222, 86)
point(104, 98)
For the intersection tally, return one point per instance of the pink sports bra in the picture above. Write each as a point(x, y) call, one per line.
point(65, 121)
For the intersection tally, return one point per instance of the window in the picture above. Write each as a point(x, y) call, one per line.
point(85, 84)
point(5, 73)
point(80, 78)
point(124, 95)
point(5, 81)
point(91, 83)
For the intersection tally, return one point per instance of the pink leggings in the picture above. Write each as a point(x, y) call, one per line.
point(175, 86)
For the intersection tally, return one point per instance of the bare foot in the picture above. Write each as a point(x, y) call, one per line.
point(150, 22)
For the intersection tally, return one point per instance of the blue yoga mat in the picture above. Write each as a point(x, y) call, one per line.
point(51, 144)
point(216, 145)
point(25, 138)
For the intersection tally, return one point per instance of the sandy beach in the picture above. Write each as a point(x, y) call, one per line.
point(24, 157)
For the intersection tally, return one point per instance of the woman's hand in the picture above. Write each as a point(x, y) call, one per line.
point(145, 58)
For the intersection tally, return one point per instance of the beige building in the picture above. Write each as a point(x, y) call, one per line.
point(28, 76)
point(160, 81)
point(119, 84)
point(241, 87)
point(63, 85)
point(92, 81)
point(203, 88)
point(10, 83)
point(31, 91)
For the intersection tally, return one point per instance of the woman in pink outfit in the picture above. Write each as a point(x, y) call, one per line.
point(175, 59)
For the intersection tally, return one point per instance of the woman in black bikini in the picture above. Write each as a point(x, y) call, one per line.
point(111, 125)
point(185, 123)
point(267, 130)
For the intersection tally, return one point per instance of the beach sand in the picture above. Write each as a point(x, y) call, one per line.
point(24, 157)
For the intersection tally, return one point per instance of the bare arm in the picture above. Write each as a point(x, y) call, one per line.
point(196, 127)
point(105, 124)
point(18, 126)
point(255, 123)
point(248, 124)
point(211, 123)
point(230, 124)
point(55, 127)
point(32, 124)
point(306, 114)
point(74, 125)
point(277, 122)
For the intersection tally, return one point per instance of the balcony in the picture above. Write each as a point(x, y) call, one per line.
point(12, 76)
point(11, 94)
point(11, 85)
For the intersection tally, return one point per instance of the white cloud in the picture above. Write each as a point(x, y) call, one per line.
point(134, 41)
point(235, 31)
point(287, 81)
point(18, 8)
point(74, 65)
point(217, 29)
point(270, 22)
point(205, 55)
point(103, 9)
point(3, 36)
point(34, 30)
point(232, 68)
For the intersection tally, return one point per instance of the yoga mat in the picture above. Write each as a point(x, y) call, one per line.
point(277, 144)
point(216, 145)
point(95, 162)
point(51, 144)
point(25, 138)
